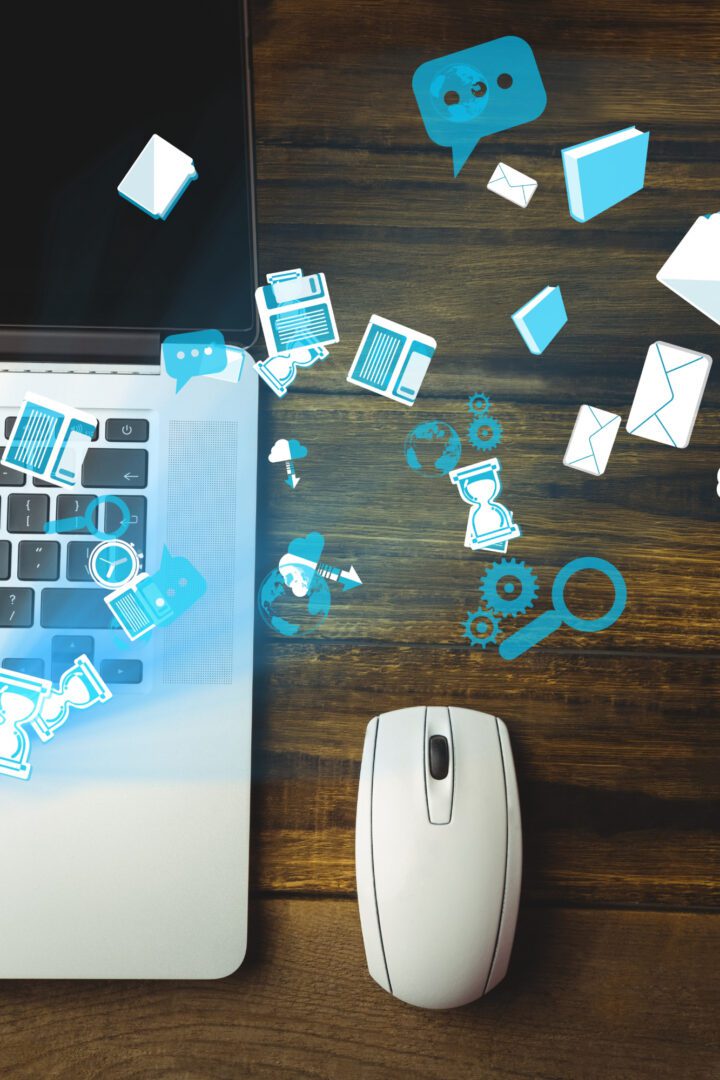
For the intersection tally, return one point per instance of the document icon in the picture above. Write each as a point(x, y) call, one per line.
point(392, 360)
point(295, 311)
point(157, 178)
point(603, 172)
point(669, 393)
point(693, 269)
point(49, 440)
point(592, 440)
point(512, 185)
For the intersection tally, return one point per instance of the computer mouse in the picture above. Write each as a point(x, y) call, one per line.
point(438, 853)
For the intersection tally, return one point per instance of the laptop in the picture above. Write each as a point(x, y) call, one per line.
point(126, 848)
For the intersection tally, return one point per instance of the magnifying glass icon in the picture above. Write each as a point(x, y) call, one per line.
point(86, 520)
point(550, 621)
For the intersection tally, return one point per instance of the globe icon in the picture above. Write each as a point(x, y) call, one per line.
point(433, 448)
point(290, 614)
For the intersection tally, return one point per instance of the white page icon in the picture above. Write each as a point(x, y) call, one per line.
point(157, 178)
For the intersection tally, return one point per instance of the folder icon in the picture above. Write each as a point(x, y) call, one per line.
point(693, 269)
point(541, 319)
point(668, 394)
point(157, 178)
point(592, 440)
point(604, 171)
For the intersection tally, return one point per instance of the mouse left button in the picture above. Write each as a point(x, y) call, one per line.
point(365, 864)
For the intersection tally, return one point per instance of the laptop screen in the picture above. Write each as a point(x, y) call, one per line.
point(84, 87)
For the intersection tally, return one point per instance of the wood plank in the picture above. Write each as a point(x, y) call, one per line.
point(589, 995)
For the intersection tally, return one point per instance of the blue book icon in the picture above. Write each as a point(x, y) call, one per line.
point(603, 172)
point(541, 319)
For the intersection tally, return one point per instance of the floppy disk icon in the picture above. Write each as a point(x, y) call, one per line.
point(157, 178)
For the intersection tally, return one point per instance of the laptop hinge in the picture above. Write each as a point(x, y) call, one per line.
point(87, 351)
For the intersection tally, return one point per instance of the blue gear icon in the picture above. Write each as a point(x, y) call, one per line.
point(509, 588)
point(478, 404)
point(481, 620)
point(485, 432)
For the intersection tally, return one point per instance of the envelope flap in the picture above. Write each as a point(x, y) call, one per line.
point(512, 177)
point(673, 358)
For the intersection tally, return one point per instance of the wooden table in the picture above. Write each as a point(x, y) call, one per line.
point(614, 973)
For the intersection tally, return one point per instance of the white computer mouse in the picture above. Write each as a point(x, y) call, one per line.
point(438, 853)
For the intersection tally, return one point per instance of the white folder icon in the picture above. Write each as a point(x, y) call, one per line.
point(668, 394)
point(512, 185)
point(693, 269)
point(157, 178)
point(592, 440)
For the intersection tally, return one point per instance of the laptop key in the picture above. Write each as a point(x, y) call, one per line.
point(135, 532)
point(104, 468)
point(121, 671)
point(65, 650)
point(70, 506)
point(27, 513)
point(9, 425)
point(70, 609)
point(4, 560)
point(126, 430)
point(16, 607)
point(78, 558)
point(25, 665)
point(10, 477)
point(38, 560)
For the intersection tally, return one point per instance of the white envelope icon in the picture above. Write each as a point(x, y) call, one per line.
point(512, 185)
point(668, 394)
point(592, 440)
point(157, 178)
point(693, 269)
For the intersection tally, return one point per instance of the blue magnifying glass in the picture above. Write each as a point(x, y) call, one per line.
point(85, 521)
point(550, 621)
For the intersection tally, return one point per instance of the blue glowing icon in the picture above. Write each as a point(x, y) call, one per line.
point(550, 621)
point(279, 371)
point(295, 312)
point(288, 451)
point(49, 440)
point(484, 432)
point(490, 524)
point(433, 448)
point(479, 91)
point(81, 522)
point(392, 360)
point(157, 178)
point(201, 352)
point(152, 600)
point(27, 701)
point(509, 588)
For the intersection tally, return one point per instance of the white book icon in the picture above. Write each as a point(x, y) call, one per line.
point(157, 178)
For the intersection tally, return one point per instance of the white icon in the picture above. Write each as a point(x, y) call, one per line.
point(512, 185)
point(295, 311)
point(113, 563)
point(668, 394)
point(49, 440)
point(592, 440)
point(279, 371)
point(392, 360)
point(693, 269)
point(157, 178)
point(490, 525)
point(288, 451)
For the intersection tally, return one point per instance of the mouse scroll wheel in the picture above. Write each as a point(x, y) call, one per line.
point(439, 752)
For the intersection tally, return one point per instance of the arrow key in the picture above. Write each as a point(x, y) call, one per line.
point(103, 468)
point(122, 671)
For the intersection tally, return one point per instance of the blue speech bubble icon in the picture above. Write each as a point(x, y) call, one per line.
point(467, 95)
point(198, 352)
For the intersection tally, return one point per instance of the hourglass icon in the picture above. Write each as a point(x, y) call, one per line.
point(490, 524)
point(279, 371)
point(80, 687)
point(21, 699)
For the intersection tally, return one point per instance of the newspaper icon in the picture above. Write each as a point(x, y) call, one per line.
point(157, 178)
point(295, 312)
point(49, 440)
point(392, 360)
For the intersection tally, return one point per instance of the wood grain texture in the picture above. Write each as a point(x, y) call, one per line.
point(614, 975)
point(589, 995)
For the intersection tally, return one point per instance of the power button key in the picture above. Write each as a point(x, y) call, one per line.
point(129, 429)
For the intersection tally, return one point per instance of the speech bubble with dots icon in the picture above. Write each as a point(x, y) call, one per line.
point(197, 352)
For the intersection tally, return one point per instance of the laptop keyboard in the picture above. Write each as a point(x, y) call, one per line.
point(44, 578)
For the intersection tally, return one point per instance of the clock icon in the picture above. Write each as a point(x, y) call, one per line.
point(113, 563)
